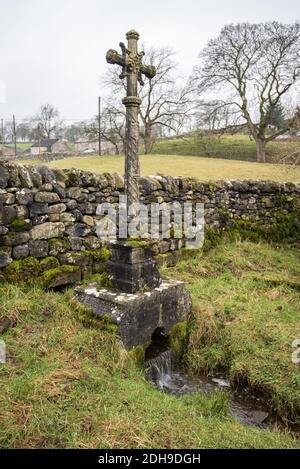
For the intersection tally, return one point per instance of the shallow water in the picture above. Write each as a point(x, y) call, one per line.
point(245, 407)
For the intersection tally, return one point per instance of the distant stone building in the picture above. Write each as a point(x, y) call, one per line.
point(49, 145)
point(107, 148)
point(87, 147)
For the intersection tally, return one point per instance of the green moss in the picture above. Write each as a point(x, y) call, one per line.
point(50, 274)
point(22, 270)
point(105, 254)
point(151, 244)
point(101, 279)
point(212, 238)
point(5, 249)
point(73, 179)
point(212, 187)
point(18, 224)
point(11, 235)
point(137, 243)
point(178, 338)
point(94, 278)
point(98, 255)
point(283, 199)
point(59, 244)
point(49, 263)
point(88, 319)
point(195, 184)
point(137, 355)
point(98, 267)
point(104, 280)
point(286, 228)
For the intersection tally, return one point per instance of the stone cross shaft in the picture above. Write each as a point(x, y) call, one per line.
point(133, 70)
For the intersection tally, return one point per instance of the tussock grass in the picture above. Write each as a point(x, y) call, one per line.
point(65, 385)
point(246, 315)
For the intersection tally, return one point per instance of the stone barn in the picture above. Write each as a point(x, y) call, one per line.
point(49, 145)
point(93, 147)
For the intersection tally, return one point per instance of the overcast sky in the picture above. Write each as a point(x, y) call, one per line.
point(53, 51)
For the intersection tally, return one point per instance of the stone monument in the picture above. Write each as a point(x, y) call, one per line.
point(139, 302)
point(133, 70)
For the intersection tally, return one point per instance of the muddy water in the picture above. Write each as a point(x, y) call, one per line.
point(246, 408)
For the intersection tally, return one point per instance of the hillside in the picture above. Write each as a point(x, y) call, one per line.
point(236, 147)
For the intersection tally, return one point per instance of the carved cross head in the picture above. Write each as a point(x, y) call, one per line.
point(130, 59)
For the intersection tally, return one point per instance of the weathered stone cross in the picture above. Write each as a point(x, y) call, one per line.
point(132, 69)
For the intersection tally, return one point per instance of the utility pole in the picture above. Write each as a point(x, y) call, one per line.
point(15, 136)
point(39, 138)
point(99, 124)
point(2, 134)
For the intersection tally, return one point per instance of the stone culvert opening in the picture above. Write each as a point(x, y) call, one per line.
point(159, 344)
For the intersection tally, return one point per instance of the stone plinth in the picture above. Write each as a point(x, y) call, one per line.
point(138, 315)
point(132, 268)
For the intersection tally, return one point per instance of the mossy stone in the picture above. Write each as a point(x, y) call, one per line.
point(20, 225)
point(22, 270)
point(58, 246)
point(62, 275)
point(48, 263)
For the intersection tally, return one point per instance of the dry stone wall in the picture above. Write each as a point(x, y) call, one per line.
point(47, 217)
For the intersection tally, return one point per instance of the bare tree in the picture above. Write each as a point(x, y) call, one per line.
point(114, 129)
point(295, 121)
point(8, 132)
point(216, 118)
point(163, 102)
point(23, 131)
point(74, 132)
point(251, 68)
point(47, 121)
point(112, 125)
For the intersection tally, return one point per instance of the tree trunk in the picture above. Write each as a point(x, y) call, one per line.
point(148, 143)
point(261, 151)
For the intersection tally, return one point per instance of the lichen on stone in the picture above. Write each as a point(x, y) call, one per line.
point(88, 319)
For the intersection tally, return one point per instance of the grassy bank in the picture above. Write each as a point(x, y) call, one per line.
point(22, 146)
point(235, 147)
point(66, 385)
point(205, 169)
point(246, 300)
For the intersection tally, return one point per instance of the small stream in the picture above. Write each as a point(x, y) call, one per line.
point(245, 407)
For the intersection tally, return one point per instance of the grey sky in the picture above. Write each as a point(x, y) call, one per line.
point(53, 51)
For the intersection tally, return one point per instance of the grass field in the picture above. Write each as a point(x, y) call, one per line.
point(236, 147)
point(205, 169)
point(22, 146)
point(246, 299)
point(66, 385)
